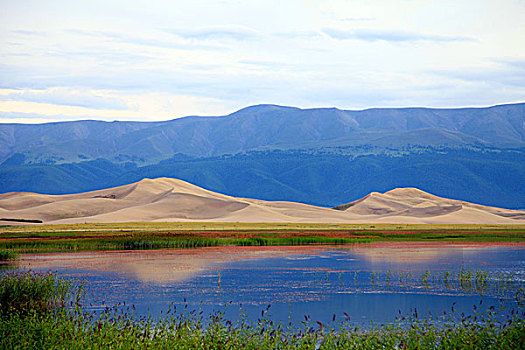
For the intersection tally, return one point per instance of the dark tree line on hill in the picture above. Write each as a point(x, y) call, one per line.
point(493, 177)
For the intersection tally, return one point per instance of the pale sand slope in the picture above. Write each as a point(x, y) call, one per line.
point(165, 199)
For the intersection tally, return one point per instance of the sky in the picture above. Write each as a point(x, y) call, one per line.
point(158, 60)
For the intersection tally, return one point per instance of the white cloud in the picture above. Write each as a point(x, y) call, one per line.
point(146, 106)
point(390, 35)
point(65, 97)
point(233, 32)
point(153, 60)
point(357, 19)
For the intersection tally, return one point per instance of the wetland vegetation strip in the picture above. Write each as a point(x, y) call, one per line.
point(34, 238)
point(64, 325)
point(25, 292)
point(154, 242)
point(7, 255)
point(238, 226)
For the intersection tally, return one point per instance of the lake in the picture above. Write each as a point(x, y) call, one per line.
point(360, 283)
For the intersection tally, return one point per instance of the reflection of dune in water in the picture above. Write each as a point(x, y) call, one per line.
point(172, 265)
point(159, 265)
point(419, 252)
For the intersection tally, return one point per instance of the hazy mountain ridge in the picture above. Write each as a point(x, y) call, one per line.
point(263, 127)
point(322, 156)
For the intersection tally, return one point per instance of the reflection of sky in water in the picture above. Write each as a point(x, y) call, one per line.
point(295, 281)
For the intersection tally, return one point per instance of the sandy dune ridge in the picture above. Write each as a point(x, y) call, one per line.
point(165, 199)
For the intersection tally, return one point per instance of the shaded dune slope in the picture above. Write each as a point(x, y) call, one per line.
point(165, 199)
point(412, 202)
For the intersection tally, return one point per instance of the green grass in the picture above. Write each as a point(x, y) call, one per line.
point(156, 243)
point(53, 238)
point(6, 255)
point(114, 331)
point(236, 226)
point(29, 323)
point(26, 292)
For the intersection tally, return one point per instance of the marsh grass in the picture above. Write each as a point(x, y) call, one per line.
point(462, 281)
point(145, 242)
point(30, 292)
point(144, 235)
point(29, 325)
point(118, 329)
point(237, 226)
point(6, 255)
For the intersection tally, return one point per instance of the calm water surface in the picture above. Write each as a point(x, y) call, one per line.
point(369, 282)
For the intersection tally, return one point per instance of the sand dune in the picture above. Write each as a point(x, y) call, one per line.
point(165, 199)
point(393, 205)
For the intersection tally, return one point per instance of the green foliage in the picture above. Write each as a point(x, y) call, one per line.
point(6, 254)
point(30, 292)
point(27, 327)
point(308, 176)
point(120, 330)
point(142, 236)
point(87, 239)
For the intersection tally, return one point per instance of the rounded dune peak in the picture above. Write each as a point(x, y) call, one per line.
point(145, 190)
point(406, 191)
point(413, 194)
point(164, 182)
point(160, 181)
point(373, 195)
point(167, 185)
point(156, 186)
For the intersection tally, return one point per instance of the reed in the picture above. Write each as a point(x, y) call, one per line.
point(6, 255)
point(121, 330)
point(47, 238)
point(145, 242)
point(26, 292)
point(461, 281)
point(73, 328)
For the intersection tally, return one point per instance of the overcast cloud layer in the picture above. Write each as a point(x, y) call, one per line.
point(158, 60)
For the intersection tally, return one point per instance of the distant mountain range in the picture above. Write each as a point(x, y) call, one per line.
point(322, 156)
point(165, 199)
point(262, 127)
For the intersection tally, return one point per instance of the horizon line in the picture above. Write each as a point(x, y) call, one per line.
point(268, 105)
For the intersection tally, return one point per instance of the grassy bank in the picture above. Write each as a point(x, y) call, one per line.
point(36, 238)
point(27, 292)
point(7, 254)
point(239, 226)
point(50, 323)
